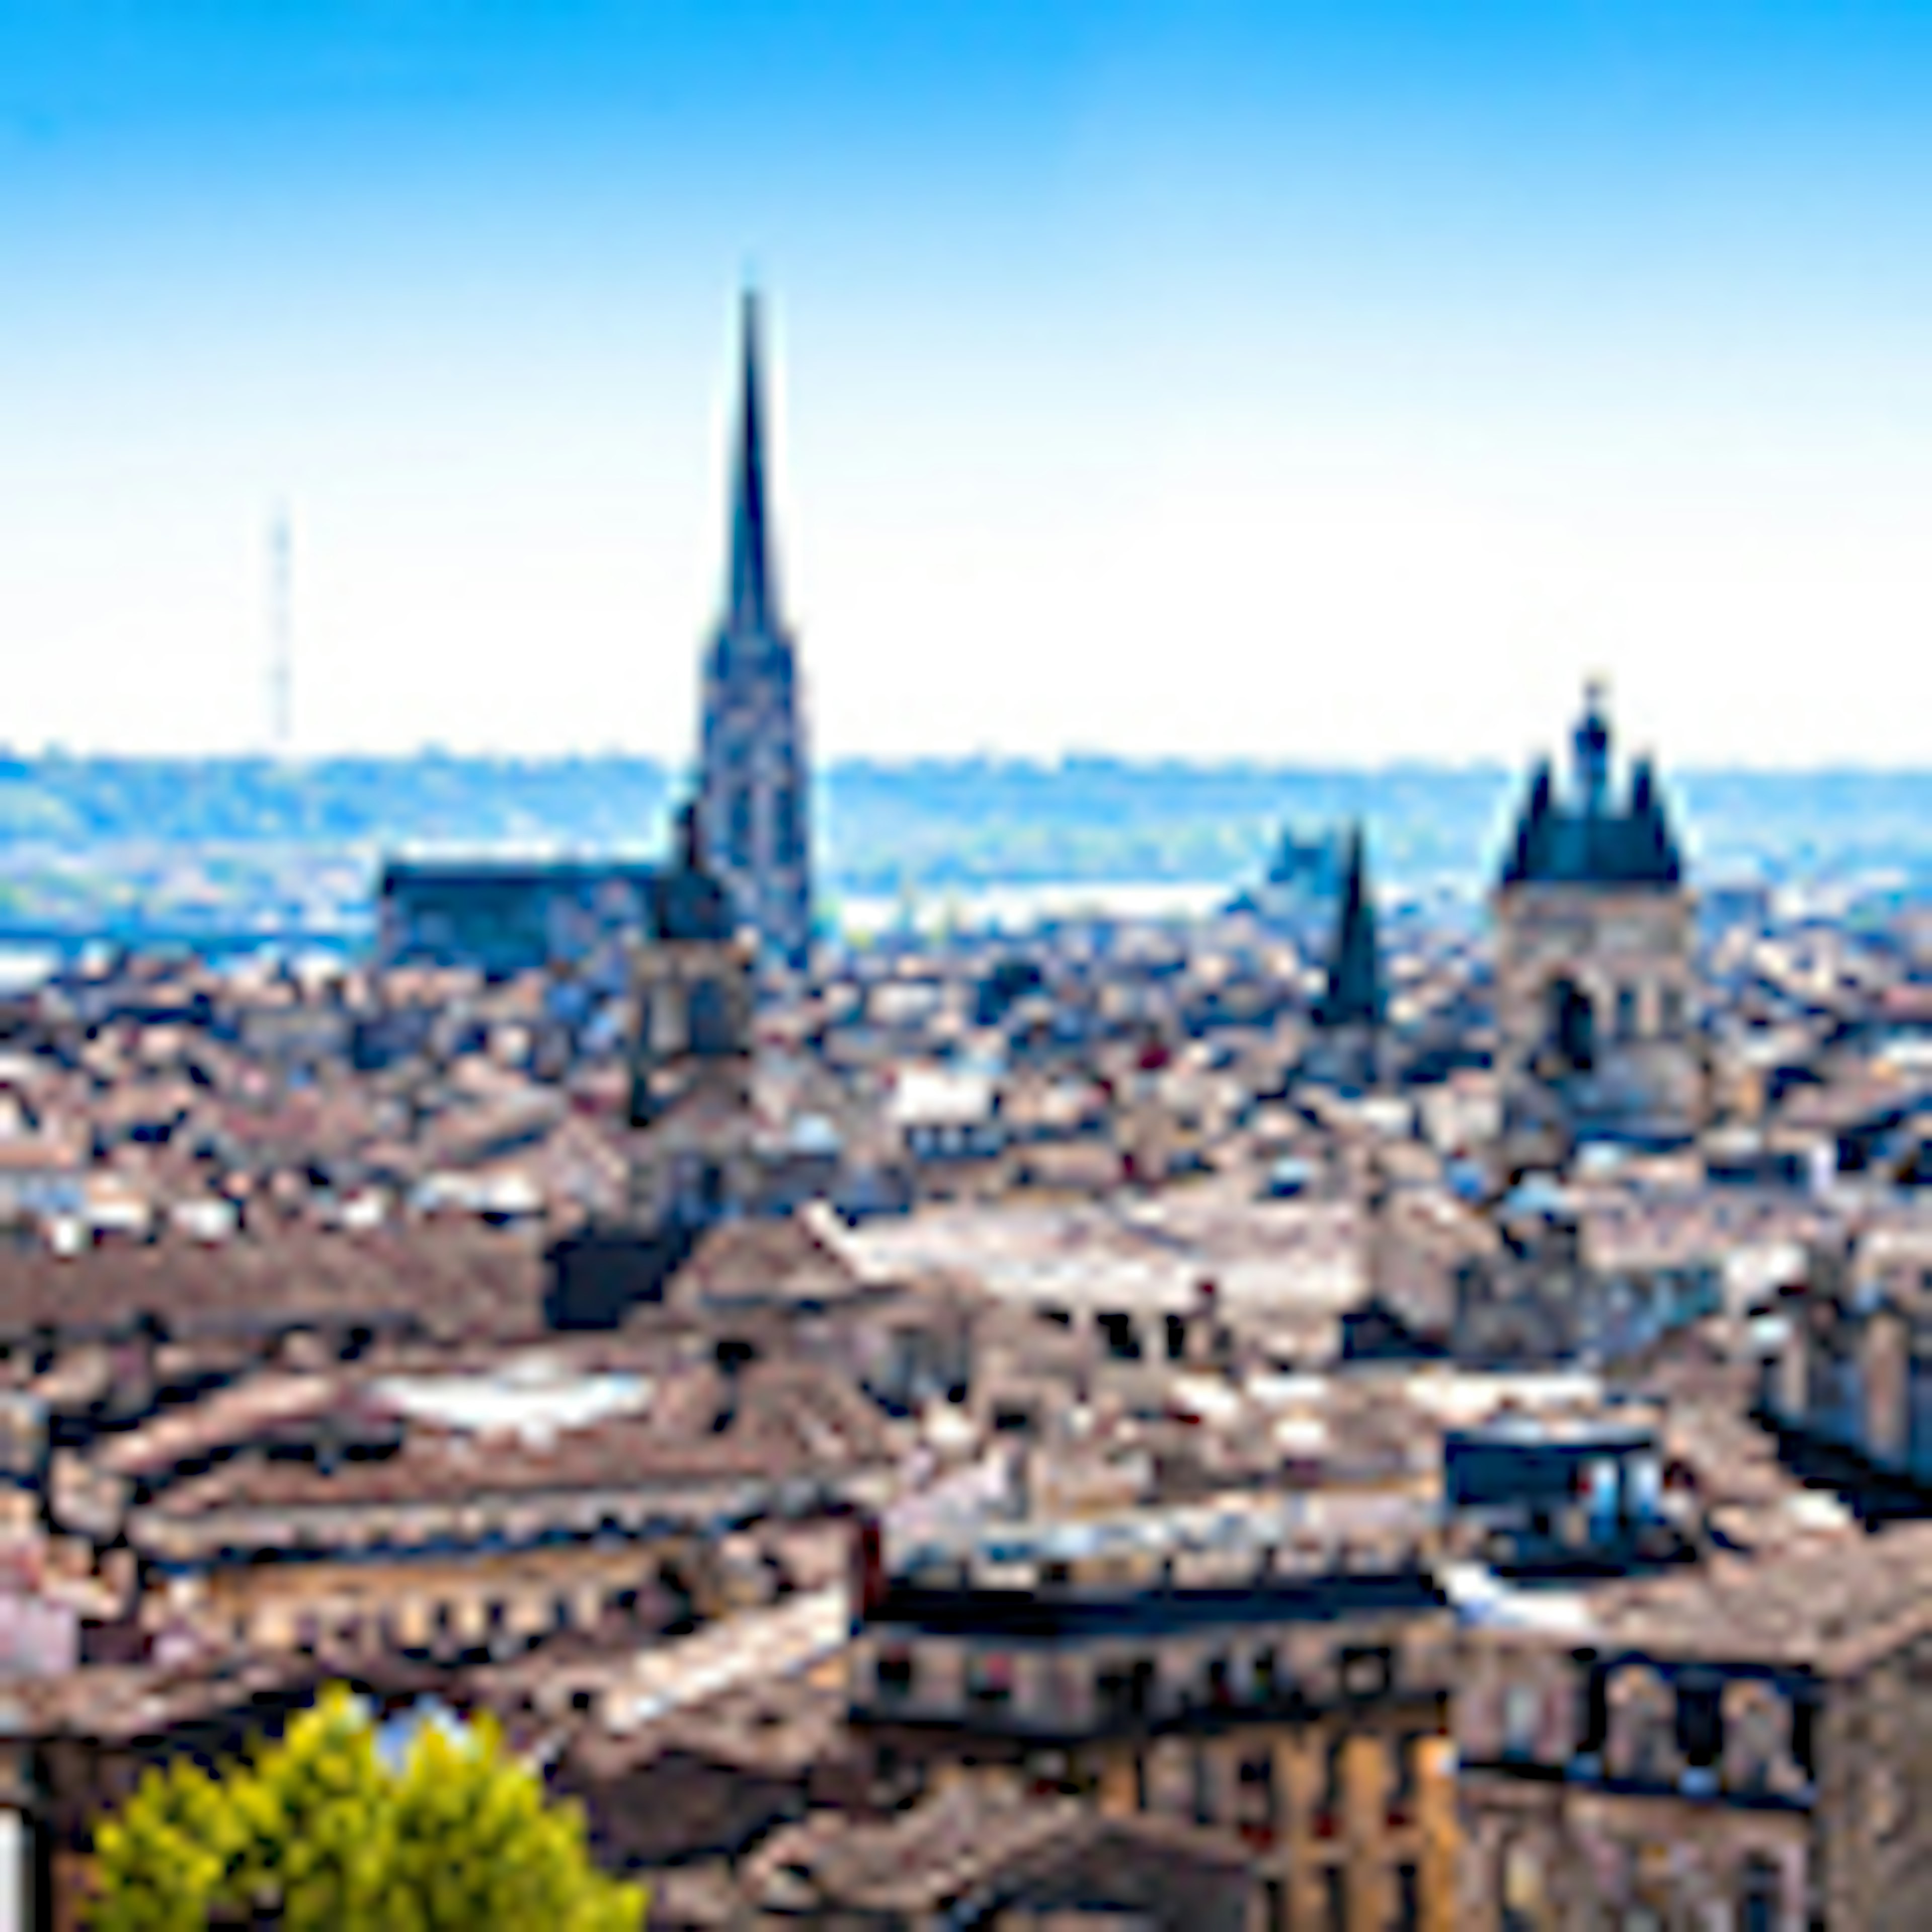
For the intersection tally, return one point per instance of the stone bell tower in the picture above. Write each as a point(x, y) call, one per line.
point(692, 1047)
point(1595, 965)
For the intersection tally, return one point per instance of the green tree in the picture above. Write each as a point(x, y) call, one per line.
point(315, 1832)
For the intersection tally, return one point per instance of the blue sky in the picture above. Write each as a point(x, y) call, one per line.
point(1297, 380)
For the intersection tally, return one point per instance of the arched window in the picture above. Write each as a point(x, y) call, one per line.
point(1573, 1025)
point(1643, 1729)
point(1757, 1735)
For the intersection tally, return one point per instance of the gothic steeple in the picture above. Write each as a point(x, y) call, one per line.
point(753, 607)
point(1353, 997)
point(754, 804)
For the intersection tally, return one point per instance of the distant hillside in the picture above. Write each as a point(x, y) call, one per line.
point(598, 801)
point(212, 844)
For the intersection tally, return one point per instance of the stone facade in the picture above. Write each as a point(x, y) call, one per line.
point(1308, 1721)
point(1851, 1366)
point(1750, 1778)
point(691, 1057)
point(1594, 992)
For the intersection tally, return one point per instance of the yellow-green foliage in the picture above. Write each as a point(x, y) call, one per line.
point(318, 1833)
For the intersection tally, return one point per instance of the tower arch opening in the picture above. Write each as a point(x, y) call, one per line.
point(1571, 1024)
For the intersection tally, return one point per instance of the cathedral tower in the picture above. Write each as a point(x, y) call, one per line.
point(754, 778)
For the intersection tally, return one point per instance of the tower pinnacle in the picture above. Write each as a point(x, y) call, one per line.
point(1593, 750)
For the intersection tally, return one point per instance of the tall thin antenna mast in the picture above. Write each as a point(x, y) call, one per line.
point(281, 660)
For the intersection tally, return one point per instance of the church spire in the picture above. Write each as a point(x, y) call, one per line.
point(753, 601)
point(1354, 994)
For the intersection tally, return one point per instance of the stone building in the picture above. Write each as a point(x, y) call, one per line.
point(1743, 1747)
point(755, 781)
point(1593, 986)
point(1294, 1700)
point(691, 1052)
point(451, 1515)
point(1847, 1360)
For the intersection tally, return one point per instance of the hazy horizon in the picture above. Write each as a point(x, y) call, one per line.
point(1311, 385)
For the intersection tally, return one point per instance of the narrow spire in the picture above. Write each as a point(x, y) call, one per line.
point(753, 602)
point(690, 837)
point(1593, 750)
point(1354, 996)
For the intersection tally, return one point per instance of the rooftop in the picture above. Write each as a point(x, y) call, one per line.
point(1826, 1600)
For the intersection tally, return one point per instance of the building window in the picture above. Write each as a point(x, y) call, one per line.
point(1203, 1786)
point(1219, 1693)
point(1125, 1691)
point(1174, 1779)
point(989, 1681)
point(1334, 1789)
point(1643, 1728)
point(893, 1674)
point(1760, 1894)
point(1756, 1733)
point(1367, 1673)
point(1407, 1754)
point(1408, 1899)
point(1254, 1799)
point(1626, 1013)
point(1522, 1719)
point(1572, 1032)
point(1804, 1708)
point(1700, 1725)
point(1521, 1888)
point(1265, 1676)
point(739, 836)
point(1335, 1883)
